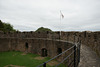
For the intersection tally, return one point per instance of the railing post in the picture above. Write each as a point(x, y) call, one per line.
point(74, 38)
point(44, 65)
point(75, 56)
point(79, 52)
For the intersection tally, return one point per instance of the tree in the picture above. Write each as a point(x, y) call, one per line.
point(6, 27)
point(1, 25)
point(42, 29)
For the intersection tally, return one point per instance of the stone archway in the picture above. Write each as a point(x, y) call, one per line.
point(44, 52)
point(59, 50)
point(26, 45)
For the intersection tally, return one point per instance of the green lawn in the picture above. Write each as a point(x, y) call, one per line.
point(17, 58)
point(20, 59)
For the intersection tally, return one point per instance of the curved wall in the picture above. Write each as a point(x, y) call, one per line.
point(91, 39)
point(34, 45)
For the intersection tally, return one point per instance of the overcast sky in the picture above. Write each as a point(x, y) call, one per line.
point(28, 15)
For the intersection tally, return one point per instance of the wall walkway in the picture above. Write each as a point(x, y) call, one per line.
point(88, 57)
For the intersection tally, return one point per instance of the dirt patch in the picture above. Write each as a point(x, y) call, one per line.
point(52, 63)
point(39, 58)
point(13, 66)
point(23, 54)
point(14, 54)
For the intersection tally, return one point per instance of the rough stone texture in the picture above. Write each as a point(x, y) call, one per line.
point(39, 40)
point(88, 58)
point(34, 45)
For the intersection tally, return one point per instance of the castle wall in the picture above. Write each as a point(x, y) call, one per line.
point(34, 45)
point(91, 39)
point(4, 44)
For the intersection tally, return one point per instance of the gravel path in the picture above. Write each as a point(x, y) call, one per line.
point(88, 58)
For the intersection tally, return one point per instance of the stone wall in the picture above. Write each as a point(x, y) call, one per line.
point(91, 39)
point(34, 45)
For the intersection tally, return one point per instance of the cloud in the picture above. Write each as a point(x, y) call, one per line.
point(31, 14)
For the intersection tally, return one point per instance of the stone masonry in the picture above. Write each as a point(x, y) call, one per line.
point(50, 41)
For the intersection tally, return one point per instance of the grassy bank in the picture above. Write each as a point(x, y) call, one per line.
point(8, 59)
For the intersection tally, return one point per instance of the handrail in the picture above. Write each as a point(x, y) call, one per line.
point(57, 55)
point(65, 58)
point(76, 61)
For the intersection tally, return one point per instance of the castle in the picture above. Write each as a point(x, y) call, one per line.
point(48, 43)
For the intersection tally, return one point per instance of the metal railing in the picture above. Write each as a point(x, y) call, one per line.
point(70, 59)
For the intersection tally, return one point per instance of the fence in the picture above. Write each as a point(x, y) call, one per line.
point(68, 58)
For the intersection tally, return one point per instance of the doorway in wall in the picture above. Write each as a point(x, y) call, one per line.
point(59, 50)
point(44, 52)
point(26, 45)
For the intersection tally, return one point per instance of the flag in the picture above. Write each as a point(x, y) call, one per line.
point(62, 16)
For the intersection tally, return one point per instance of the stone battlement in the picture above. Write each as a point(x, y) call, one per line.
point(91, 39)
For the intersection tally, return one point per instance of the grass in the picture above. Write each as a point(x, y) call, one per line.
point(20, 59)
point(16, 58)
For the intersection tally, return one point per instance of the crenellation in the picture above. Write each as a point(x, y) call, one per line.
point(16, 40)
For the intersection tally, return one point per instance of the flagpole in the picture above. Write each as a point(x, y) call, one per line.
point(61, 17)
point(60, 22)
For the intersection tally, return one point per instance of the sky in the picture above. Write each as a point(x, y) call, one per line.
point(29, 15)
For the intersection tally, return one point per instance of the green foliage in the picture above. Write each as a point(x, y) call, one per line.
point(42, 29)
point(6, 27)
point(1, 25)
point(17, 58)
